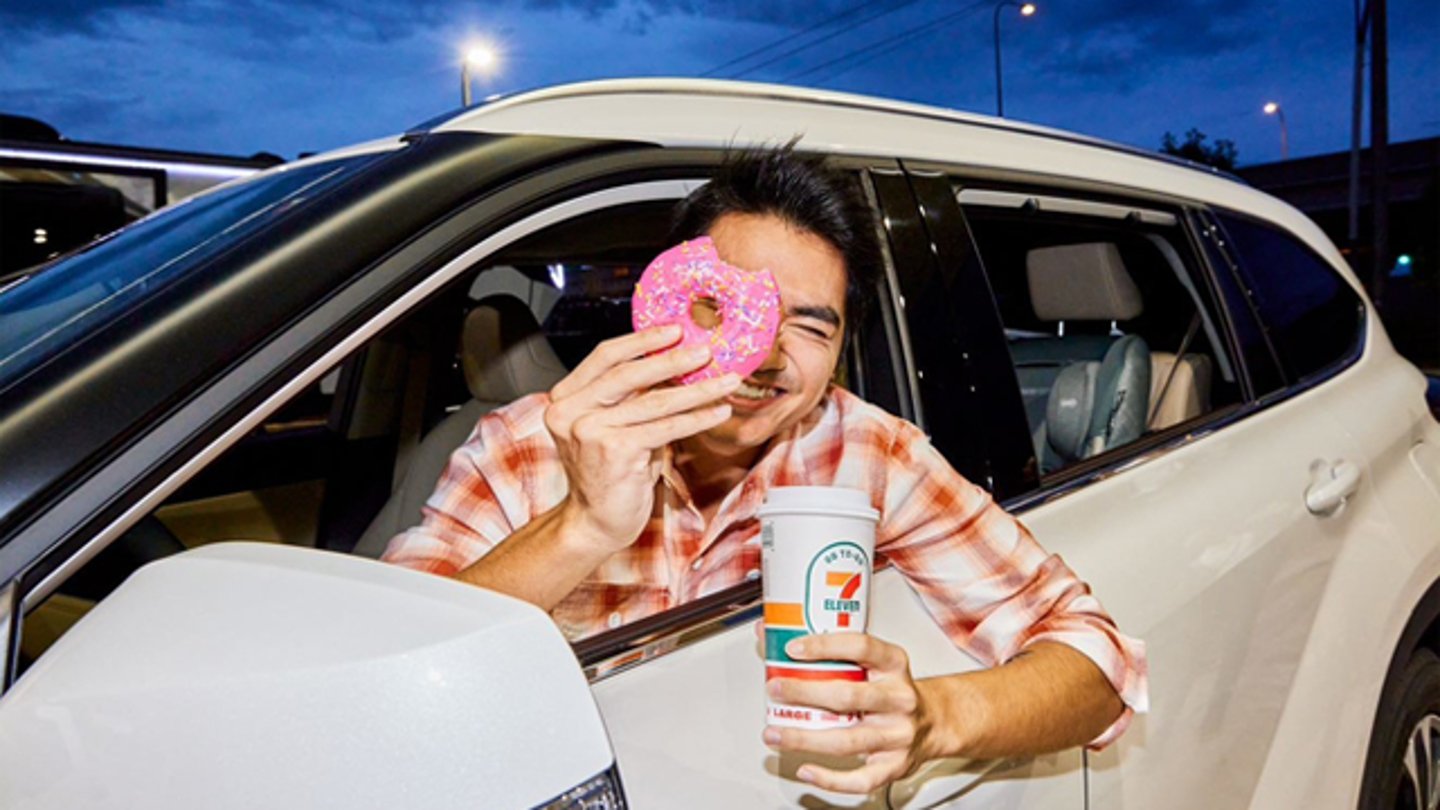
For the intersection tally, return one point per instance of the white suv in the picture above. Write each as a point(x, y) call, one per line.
point(1173, 379)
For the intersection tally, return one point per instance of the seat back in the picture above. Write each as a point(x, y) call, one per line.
point(1188, 394)
point(505, 356)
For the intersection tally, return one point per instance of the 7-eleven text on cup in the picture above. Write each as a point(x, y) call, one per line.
point(846, 605)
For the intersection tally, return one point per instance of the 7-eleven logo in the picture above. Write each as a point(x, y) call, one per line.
point(835, 588)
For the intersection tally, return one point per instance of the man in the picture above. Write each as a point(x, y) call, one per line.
point(617, 495)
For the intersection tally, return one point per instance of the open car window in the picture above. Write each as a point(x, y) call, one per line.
point(348, 463)
point(1110, 324)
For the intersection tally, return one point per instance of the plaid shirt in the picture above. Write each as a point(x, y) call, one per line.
point(980, 573)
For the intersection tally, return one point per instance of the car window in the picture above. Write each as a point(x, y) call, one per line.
point(348, 463)
point(1110, 326)
point(48, 310)
point(1314, 320)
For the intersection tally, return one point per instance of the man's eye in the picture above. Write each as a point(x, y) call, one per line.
point(814, 331)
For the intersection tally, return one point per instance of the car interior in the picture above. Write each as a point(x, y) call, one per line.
point(1109, 332)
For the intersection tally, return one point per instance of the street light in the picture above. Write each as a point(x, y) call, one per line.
point(480, 56)
point(1272, 108)
point(1026, 10)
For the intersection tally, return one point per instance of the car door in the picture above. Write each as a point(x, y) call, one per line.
point(1196, 535)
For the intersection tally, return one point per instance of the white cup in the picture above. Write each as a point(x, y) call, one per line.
point(817, 552)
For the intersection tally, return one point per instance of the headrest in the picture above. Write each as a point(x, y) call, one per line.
point(1085, 282)
point(504, 354)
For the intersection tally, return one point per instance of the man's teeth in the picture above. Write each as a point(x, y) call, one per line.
point(756, 392)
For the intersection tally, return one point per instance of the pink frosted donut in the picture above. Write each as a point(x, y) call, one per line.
point(748, 305)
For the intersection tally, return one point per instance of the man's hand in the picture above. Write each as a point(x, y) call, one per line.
point(894, 735)
point(611, 418)
point(1047, 698)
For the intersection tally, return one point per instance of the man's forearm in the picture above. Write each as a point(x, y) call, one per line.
point(541, 563)
point(1049, 698)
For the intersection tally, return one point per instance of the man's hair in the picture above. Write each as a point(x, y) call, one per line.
point(806, 194)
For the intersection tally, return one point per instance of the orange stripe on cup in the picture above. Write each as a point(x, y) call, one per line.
point(785, 614)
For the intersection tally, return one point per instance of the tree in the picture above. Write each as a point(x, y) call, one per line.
point(1221, 154)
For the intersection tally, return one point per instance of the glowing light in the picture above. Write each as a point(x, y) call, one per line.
point(1271, 108)
point(557, 275)
point(481, 56)
point(1027, 9)
point(198, 169)
point(1404, 260)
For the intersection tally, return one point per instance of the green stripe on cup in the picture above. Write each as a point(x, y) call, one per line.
point(775, 640)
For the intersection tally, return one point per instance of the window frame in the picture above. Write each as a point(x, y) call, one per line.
point(1148, 447)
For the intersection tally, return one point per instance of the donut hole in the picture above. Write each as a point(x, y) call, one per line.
point(705, 312)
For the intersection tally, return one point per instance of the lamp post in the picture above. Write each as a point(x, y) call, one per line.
point(1272, 108)
point(482, 58)
point(1026, 9)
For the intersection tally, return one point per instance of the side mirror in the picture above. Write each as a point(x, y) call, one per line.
point(243, 675)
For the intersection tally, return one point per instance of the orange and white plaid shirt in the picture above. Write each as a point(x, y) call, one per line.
point(981, 574)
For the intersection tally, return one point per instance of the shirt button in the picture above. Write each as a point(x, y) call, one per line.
point(614, 620)
point(695, 566)
point(753, 574)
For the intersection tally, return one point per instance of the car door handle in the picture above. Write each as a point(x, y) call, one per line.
point(1332, 485)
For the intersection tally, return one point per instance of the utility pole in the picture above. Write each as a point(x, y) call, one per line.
point(1379, 139)
point(1357, 116)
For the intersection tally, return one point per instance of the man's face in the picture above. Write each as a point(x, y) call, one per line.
point(811, 275)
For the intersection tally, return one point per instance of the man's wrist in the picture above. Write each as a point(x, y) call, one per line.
point(956, 716)
point(579, 534)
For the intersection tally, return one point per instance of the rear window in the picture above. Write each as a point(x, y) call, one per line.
point(43, 312)
point(1314, 319)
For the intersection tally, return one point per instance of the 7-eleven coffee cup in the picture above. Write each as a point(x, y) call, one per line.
point(817, 545)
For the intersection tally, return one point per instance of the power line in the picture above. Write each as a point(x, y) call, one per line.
point(889, 43)
point(832, 35)
point(777, 43)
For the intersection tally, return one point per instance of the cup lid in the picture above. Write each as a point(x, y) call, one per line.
point(819, 500)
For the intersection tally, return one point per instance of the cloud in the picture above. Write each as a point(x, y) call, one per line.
point(32, 17)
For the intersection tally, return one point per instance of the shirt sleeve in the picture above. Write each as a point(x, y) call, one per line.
point(986, 580)
point(466, 515)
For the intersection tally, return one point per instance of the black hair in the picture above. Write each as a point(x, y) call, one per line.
point(805, 193)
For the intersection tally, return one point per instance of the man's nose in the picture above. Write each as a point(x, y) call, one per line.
point(774, 361)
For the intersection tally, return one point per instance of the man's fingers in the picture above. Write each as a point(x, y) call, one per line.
point(657, 434)
point(843, 696)
point(879, 769)
point(866, 738)
point(663, 402)
point(613, 352)
point(864, 649)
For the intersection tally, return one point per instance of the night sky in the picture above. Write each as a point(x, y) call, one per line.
point(309, 75)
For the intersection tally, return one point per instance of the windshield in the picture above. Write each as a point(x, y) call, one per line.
point(42, 313)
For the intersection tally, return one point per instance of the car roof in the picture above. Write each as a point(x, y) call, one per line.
point(715, 114)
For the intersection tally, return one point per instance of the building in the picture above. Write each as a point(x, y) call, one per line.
point(57, 195)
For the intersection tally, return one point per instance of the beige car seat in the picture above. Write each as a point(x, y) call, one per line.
point(504, 356)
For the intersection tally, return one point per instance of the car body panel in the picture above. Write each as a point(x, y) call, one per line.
point(332, 681)
point(1389, 561)
point(686, 728)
